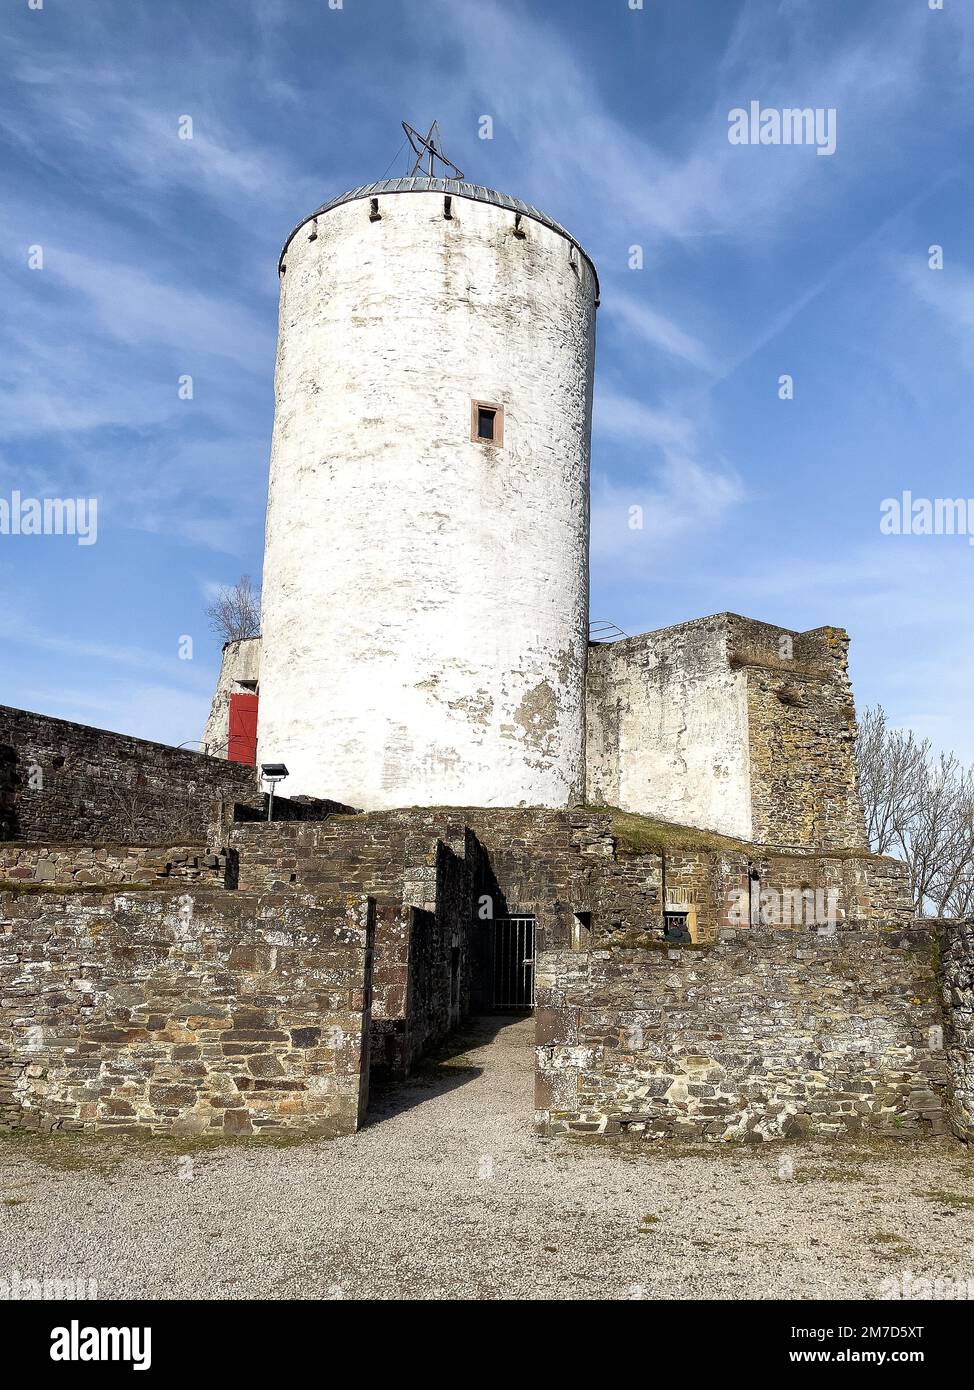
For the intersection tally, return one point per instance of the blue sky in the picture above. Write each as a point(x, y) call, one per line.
point(160, 260)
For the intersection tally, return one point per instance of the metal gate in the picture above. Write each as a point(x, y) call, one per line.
point(512, 963)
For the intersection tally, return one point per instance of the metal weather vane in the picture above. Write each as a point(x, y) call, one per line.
point(425, 148)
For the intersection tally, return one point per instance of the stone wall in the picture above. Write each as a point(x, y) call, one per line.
point(786, 888)
point(666, 727)
point(565, 868)
point(801, 734)
point(451, 866)
point(405, 861)
point(523, 860)
point(764, 1034)
point(729, 724)
point(194, 1012)
point(863, 887)
point(292, 808)
point(87, 865)
point(957, 985)
point(75, 783)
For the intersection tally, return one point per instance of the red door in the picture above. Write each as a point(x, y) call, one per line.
point(242, 740)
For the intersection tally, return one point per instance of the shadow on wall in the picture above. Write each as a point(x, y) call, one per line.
point(8, 806)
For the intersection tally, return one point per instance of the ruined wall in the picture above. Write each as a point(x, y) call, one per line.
point(444, 863)
point(802, 734)
point(438, 995)
point(726, 887)
point(413, 864)
point(767, 1033)
point(193, 1012)
point(554, 865)
point(239, 672)
point(88, 865)
point(865, 887)
point(403, 662)
point(666, 728)
point(957, 986)
point(75, 783)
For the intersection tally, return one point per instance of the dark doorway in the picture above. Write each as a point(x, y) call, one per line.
point(510, 964)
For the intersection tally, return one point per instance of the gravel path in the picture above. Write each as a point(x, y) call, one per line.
point(449, 1193)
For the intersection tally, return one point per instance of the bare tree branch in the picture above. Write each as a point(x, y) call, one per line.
point(920, 808)
point(235, 612)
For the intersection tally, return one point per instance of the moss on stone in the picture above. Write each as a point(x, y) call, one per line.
point(636, 834)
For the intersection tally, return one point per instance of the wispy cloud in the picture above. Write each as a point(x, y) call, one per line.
point(949, 291)
point(621, 417)
point(161, 260)
point(675, 485)
point(646, 325)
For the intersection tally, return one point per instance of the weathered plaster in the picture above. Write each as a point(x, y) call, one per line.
point(667, 731)
point(729, 724)
point(239, 671)
point(425, 602)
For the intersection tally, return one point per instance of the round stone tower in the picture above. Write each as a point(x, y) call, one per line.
point(425, 590)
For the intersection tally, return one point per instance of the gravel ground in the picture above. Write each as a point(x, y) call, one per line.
point(449, 1193)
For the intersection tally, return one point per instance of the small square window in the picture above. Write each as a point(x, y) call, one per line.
point(677, 927)
point(487, 422)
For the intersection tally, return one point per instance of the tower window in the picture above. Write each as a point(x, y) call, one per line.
point(487, 422)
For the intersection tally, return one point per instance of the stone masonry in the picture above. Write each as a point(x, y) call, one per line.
point(730, 724)
point(196, 1012)
point(957, 985)
point(191, 1006)
point(765, 1034)
point(129, 865)
point(68, 782)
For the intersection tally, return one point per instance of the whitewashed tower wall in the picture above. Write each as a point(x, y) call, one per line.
point(425, 596)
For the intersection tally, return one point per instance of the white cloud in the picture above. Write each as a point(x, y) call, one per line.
point(677, 493)
point(647, 325)
point(620, 417)
point(949, 291)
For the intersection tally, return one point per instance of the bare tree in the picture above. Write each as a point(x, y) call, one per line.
point(134, 800)
point(919, 807)
point(950, 875)
point(890, 763)
point(235, 612)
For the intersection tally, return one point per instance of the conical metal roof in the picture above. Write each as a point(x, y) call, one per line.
point(459, 189)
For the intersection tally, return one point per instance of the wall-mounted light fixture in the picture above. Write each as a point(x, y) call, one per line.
point(273, 773)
